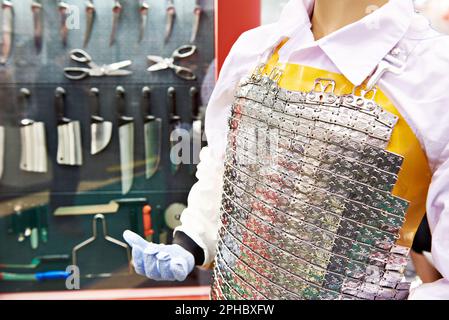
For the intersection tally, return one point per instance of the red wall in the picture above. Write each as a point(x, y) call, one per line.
point(232, 18)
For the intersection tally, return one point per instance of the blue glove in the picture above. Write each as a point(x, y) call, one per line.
point(159, 261)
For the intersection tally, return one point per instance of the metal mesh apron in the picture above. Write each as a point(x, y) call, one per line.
point(307, 207)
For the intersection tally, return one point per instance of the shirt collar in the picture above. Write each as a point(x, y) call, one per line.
point(355, 49)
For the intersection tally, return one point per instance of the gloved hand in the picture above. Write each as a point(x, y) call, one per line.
point(159, 261)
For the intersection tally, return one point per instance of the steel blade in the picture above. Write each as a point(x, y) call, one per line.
point(7, 30)
point(90, 17)
point(143, 19)
point(101, 134)
point(27, 147)
point(63, 154)
point(36, 8)
point(171, 14)
point(63, 13)
point(69, 144)
point(2, 149)
point(196, 22)
point(153, 137)
point(40, 148)
point(78, 155)
point(117, 10)
point(126, 137)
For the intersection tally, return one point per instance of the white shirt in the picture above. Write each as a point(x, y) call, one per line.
point(420, 93)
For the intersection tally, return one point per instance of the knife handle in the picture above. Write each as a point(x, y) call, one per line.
point(95, 104)
point(194, 96)
point(171, 94)
point(121, 106)
point(146, 104)
point(59, 104)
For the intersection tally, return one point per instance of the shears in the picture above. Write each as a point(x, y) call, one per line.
point(94, 70)
point(161, 63)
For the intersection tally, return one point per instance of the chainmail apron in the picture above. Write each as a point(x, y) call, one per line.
point(307, 207)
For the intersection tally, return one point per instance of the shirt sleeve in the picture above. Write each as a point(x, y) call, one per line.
point(438, 216)
point(200, 220)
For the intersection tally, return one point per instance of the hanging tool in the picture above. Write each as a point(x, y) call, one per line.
point(33, 156)
point(153, 135)
point(197, 11)
point(147, 224)
point(175, 128)
point(116, 13)
point(161, 63)
point(197, 128)
point(90, 18)
point(2, 149)
point(39, 276)
point(171, 15)
point(37, 10)
point(172, 215)
point(111, 207)
point(7, 30)
point(63, 8)
point(94, 70)
point(100, 130)
point(143, 10)
point(37, 261)
point(105, 236)
point(126, 137)
point(69, 134)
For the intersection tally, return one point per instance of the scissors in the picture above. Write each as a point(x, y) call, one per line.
point(94, 70)
point(161, 63)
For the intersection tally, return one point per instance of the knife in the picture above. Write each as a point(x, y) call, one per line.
point(152, 132)
point(171, 14)
point(36, 8)
point(196, 20)
point(126, 137)
point(69, 134)
point(7, 30)
point(116, 11)
point(63, 8)
point(100, 130)
point(175, 127)
point(33, 139)
point(144, 8)
point(90, 17)
point(197, 130)
point(2, 149)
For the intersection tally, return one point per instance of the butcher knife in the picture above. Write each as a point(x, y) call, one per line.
point(69, 134)
point(33, 139)
point(126, 137)
point(100, 130)
point(197, 129)
point(175, 127)
point(152, 132)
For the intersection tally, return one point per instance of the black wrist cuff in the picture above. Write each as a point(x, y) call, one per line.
point(187, 243)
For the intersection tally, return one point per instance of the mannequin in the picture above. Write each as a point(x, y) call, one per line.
point(330, 15)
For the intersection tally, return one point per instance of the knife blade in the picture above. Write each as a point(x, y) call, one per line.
point(144, 8)
point(90, 17)
point(171, 15)
point(2, 149)
point(196, 20)
point(33, 139)
point(126, 137)
point(152, 133)
point(100, 130)
point(197, 130)
point(36, 8)
point(175, 131)
point(63, 8)
point(7, 30)
point(69, 134)
point(116, 13)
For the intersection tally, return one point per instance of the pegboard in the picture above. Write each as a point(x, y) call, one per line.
point(97, 181)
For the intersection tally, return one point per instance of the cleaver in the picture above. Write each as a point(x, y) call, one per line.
point(69, 134)
point(152, 132)
point(126, 137)
point(33, 156)
point(100, 130)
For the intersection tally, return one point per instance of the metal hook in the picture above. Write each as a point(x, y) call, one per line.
point(106, 237)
